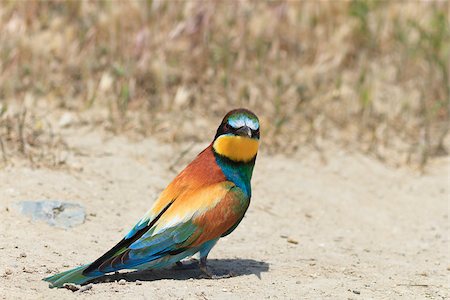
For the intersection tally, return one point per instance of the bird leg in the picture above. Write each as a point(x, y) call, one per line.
point(204, 268)
point(207, 274)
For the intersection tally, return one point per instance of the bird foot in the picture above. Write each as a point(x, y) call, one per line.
point(209, 275)
point(213, 276)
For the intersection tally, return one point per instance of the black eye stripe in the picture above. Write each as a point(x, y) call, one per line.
point(226, 128)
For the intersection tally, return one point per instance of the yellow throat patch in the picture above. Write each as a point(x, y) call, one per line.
point(236, 148)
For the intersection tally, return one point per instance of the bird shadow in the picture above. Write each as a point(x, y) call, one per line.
point(220, 267)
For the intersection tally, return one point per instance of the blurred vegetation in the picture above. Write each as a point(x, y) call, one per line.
point(372, 75)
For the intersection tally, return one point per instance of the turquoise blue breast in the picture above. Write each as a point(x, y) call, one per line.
point(238, 173)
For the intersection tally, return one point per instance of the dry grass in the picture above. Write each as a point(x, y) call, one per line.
point(29, 136)
point(366, 74)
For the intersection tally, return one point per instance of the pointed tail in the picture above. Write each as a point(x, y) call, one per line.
point(71, 276)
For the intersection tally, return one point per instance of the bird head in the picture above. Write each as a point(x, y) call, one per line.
point(237, 137)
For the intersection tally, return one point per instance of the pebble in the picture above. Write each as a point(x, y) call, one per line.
point(71, 287)
point(8, 272)
point(122, 282)
point(55, 213)
point(23, 254)
point(138, 282)
point(292, 241)
point(85, 288)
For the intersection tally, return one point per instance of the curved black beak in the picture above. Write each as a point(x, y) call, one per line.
point(244, 131)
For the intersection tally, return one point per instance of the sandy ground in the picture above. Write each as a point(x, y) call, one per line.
point(350, 228)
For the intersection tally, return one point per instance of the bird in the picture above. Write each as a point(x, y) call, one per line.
point(205, 202)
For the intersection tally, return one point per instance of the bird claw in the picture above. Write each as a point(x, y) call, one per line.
point(229, 275)
point(208, 275)
point(213, 276)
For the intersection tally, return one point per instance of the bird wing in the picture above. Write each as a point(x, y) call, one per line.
point(193, 217)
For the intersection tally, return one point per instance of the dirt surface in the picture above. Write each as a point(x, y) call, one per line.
point(350, 228)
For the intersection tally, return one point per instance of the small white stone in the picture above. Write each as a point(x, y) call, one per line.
point(66, 120)
point(85, 288)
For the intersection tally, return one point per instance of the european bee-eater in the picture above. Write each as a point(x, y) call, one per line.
point(205, 202)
